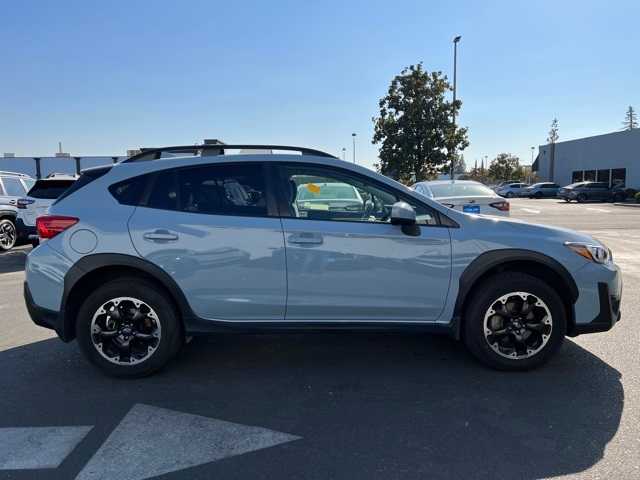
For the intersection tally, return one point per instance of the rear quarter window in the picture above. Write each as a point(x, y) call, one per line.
point(49, 189)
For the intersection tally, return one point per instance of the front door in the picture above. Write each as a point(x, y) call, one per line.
point(346, 262)
point(208, 227)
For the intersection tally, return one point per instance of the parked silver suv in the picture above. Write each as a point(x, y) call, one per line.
point(142, 254)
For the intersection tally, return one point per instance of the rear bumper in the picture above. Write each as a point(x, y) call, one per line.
point(608, 315)
point(43, 317)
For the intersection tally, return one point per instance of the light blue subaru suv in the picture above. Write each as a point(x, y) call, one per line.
point(139, 256)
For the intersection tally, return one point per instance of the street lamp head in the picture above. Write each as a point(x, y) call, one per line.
point(457, 39)
point(353, 134)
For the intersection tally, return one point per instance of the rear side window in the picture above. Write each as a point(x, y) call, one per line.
point(222, 189)
point(49, 189)
point(13, 187)
point(130, 191)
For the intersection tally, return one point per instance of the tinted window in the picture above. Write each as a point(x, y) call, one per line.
point(49, 189)
point(86, 178)
point(130, 191)
point(223, 190)
point(164, 194)
point(597, 185)
point(316, 193)
point(13, 187)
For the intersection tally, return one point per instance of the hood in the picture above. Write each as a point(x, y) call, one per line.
point(535, 230)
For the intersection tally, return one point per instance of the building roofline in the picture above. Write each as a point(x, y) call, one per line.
point(635, 131)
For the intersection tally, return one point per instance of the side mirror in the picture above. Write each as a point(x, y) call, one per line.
point(402, 214)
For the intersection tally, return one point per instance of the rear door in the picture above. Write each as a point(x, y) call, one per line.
point(212, 228)
point(12, 189)
point(346, 262)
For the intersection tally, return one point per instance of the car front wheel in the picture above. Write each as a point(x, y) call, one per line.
point(128, 328)
point(515, 322)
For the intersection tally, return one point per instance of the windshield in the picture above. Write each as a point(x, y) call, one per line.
point(326, 191)
point(460, 190)
point(49, 189)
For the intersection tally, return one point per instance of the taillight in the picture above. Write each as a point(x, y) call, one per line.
point(24, 202)
point(502, 206)
point(51, 225)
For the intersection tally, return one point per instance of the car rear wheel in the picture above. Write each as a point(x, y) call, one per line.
point(510, 195)
point(128, 328)
point(538, 195)
point(581, 198)
point(619, 197)
point(8, 234)
point(515, 322)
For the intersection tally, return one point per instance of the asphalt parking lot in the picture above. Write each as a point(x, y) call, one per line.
point(330, 405)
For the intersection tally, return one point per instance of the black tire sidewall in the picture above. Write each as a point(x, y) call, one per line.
point(170, 339)
point(15, 234)
point(581, 198)
point(492, 289)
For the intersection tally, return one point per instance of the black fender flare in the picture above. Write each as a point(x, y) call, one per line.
point(90, 263)
point(487, 261)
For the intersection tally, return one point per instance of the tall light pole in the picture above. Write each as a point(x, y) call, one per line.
point(455, 75)
point(353, 136)
point(531, 169)
point(344, 153)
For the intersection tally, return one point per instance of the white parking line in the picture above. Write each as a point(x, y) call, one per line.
point(152, 441)
point(530, 210)
point(37, 447)
point(600, 210)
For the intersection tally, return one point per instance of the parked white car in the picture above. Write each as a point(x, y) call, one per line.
point(511, 190)
point(37, 202)
point(464, 195)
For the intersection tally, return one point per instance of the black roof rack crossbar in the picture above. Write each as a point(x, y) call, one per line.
point(155, 153)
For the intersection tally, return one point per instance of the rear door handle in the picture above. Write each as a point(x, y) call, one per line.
point(305, 238)
point(160, 236)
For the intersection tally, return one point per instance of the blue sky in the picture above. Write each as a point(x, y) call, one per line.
point(106, 76)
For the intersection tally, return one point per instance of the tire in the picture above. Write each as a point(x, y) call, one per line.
point(509, 195)
point(538, 195)
point(163, 317)
point(8, 234)
point(531, 355)
point(581, 198)
point(35, 242)
point(618, 197)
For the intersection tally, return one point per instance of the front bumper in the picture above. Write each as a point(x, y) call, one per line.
point(608, 315)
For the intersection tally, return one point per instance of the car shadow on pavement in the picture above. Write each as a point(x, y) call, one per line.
point(13, 260)
point(366, 405)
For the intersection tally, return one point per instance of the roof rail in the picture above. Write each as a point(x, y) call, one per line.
point(155, 153)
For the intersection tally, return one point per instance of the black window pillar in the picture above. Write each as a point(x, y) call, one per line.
point(115, 159)
point(38, 172)
point(77, 159)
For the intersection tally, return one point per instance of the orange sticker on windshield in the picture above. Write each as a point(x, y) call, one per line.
point(313, 188)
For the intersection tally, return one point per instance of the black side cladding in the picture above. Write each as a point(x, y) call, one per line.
point(86, 178)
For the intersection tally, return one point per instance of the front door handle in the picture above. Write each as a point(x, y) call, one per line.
point(305, 238)
point(160, 236)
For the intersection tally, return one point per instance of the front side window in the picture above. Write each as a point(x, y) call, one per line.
point(316, 193)
point(13, 187)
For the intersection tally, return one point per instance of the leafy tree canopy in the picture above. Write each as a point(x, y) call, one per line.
point(415, 127)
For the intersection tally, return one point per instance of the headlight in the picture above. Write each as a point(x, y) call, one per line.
point(595, 253)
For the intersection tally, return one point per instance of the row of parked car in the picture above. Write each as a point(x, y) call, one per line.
point(579, 191)
point(22, 200)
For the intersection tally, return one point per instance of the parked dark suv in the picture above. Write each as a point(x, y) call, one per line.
point(585, 191)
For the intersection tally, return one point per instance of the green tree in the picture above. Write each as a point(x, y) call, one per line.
point(505, 167)
point(415, 128)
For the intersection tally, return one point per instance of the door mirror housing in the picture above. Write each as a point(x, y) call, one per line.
point(402, 214)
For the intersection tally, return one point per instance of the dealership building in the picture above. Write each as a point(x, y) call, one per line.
point(613, 158)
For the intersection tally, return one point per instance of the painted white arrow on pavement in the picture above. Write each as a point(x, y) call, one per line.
point(152, 441)
point(38, 447)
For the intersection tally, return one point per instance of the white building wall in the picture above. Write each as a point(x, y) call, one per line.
point(609, 151)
